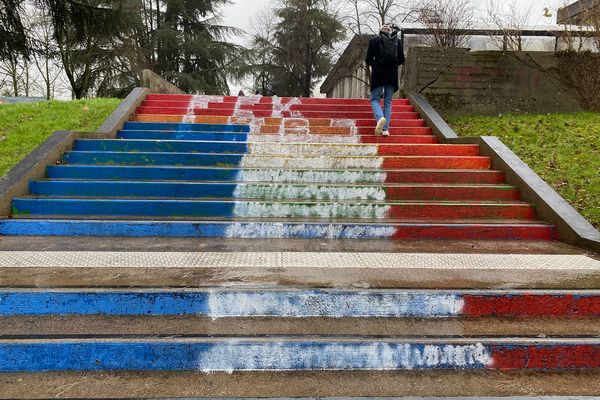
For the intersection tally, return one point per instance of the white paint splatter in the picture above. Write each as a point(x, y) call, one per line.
point(303, 138)
point(324, 231)
point(317, 149)
point(279, 108)
point(314, 210)
point(309, 192)
point(311, 176)
point(223, 304)
point(199, 102)
point(251, 161)
point(293, 356)
point(346, 123)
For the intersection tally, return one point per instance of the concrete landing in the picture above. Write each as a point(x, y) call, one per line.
point(302, 269)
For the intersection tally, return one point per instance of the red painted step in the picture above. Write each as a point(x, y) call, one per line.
point(372, 139)
point(369, 124)
point(452, 193)
point(428, 150)
point(396, 130)
point(432, 162)
point(269, 113)
point(269, 107)
point(446, 176)
point(283, 100)
point(461, 210)
point(504, 231)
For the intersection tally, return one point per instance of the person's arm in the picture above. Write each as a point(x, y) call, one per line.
point(401, 58)
point(370, 54)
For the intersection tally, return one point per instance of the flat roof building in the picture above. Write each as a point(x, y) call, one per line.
point(575, 14)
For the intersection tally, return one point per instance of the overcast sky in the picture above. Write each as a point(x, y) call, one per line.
point(241, 11)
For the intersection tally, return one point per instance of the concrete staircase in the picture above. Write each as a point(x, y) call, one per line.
point(242, 322)
point(274, 167)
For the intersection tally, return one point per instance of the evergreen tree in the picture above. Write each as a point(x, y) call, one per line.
point(12, 33)
point(90, 36)
point(305, 35)
point(190, 45)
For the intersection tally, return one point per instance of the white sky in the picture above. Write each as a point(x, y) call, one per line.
point(240, 12)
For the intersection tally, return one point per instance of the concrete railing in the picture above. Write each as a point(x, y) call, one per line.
point(572, 227)
point(158, 84)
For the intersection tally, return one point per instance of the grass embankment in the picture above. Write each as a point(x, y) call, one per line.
point(24, 126)
point(564, 149)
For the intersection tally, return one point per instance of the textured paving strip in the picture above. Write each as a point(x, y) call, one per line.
point(25, 259)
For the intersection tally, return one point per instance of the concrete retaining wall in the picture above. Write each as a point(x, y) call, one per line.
point(463, 82)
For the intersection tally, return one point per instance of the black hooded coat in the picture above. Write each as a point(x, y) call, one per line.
point(383, 75)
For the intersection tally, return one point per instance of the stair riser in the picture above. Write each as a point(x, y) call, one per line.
point(265, 191)
point(396, 114)
point(269, 100)
point(269, 107)
point(273, 175)
point(289, 138)
point(252, 161)
point(219, 303)
point(264, 148)
point(312, 123)
point(284, 355)
point(269, 113)
point(230, 209)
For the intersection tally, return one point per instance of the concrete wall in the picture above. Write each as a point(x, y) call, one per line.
point(352, 86)
point(464, 82)
point(157, 84)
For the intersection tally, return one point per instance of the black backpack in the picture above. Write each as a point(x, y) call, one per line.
point(388, 49)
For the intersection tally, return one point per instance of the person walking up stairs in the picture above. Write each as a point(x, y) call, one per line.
point(384, 55)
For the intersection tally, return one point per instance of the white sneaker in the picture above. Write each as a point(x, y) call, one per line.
point(385, 133)
point(380, 124)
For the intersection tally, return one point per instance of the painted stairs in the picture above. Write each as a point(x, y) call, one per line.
point(197, 324)
point(261, 167)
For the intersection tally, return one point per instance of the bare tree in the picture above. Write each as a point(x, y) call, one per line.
point(366, 16)
point(262, 60)
point(12, 70)
point(45, 56)
point(508, 19)
point(446, 19)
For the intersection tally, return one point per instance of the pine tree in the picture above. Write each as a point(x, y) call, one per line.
point(305, 35)
point(190, 45)
point(12, 33)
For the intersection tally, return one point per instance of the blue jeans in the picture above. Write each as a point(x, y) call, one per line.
point(388, 94)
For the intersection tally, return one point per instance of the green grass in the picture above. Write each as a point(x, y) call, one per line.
point(564, 149)
point(24, 126)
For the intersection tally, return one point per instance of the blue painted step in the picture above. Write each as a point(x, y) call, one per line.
point(142, 173)
point(160, 146)
point(224, 303)
point(120, 158)
point(279, 230)
point(212, 355)
point(132, 189)
point(168, 126)
point(183, 135)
